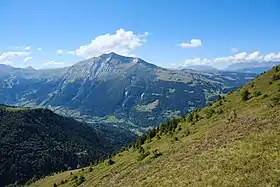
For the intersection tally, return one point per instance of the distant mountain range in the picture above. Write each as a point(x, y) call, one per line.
point(248, 67)
point(205, 68)
point(252, 67)
point(116, 91)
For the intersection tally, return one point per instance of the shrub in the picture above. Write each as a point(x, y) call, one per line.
point(209, 112)
point(190, 117)
point(257, 93)
point(176, 138)
point(110, 162)
point(80, 180)
point(122, 149)
point(90, 169)
point(245, 95)
point(219, 111)
point(54, 185)
point(196, 117)
point(275, 100)
point(156, 153)
point(264, 96)
point(275, 76)
point(232, 117)
point(158, 137)
point(143, 155)
point(74, 177)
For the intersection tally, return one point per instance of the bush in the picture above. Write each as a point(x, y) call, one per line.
point(156, 153)
point(196, 117)
point(80, 180)
point(245, 95)
point(143, 155)
point(176, 138)
point(264, 96)
point(232, 117)
point(219, 111)
point(158, 137)
point(190, 117)
point(54, 185)
point(275, 100)
point(74, 177)
point(257, 93)
point(90, 169)
point(110, 162)
point(275, 76)
point(209, 112)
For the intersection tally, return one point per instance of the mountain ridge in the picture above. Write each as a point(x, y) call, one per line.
point(116, 90)
point(234, 141)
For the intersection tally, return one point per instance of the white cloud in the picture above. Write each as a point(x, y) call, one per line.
point(122, 42)
point(59, 51)
point(52, 64)
point(193, 43)
point(7, 56)
point(71, 52)
point(27, 48)
point(243, 57)
point(39, 49)
point(27, 59)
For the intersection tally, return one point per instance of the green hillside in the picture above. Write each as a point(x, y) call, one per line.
point(232, 142)
point(37, 142)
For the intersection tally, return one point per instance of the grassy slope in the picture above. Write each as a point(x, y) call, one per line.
point(244, 152)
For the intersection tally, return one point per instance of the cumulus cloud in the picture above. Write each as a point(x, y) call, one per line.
point(243, 57)
point(191, 44)
point(27, 59)
point(39, 49)
point(7, 56)
point(27, 48)
point(122, 42)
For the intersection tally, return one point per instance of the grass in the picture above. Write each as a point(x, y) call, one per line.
point(149, 107)
point(238, 147)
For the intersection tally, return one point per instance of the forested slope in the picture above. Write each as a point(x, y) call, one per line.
point(37, 142)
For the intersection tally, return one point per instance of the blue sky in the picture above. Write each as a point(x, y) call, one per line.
point(51, 33)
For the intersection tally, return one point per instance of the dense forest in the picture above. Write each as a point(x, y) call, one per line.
point(37, 142)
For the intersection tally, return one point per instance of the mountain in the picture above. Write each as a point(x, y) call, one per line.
point(252, 67)
point(232, 142)
point(37, 142)
point(205, 68)
point(125, 92)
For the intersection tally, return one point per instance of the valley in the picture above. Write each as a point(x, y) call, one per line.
point(127, 93)
point(234, 141)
